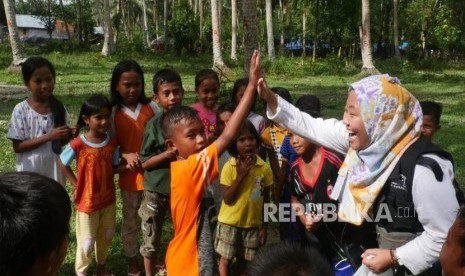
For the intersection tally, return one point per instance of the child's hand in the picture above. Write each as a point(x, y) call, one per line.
point(255, 72)
point(59, 133)
point(263, 89)
point(132, 159)
point(243, 166)
point(169, 154)
point(312, 222)
point(74, 131)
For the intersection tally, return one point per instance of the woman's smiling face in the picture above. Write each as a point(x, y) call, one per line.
point(358, 136)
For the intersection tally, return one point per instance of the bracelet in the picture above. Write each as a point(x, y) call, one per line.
point(394, 258)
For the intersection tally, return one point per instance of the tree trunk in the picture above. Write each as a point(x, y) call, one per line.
point(68, 34)
point(424, 29)
point(165, 18)
point(269, 30)
point(16, 48)
point(155, 15)
point(108, 42)
point(79, 22)
point(249, 11)
point(304, 31)
point(220, 14)
point(50, 25)
point(117, 21)
point(367, 57)
point(201, 19)
point(217, 56)
point(145, 38)
point(315, 32)
point(165, 23)
point(234, 29)
point(124, 17)
point(281, 19)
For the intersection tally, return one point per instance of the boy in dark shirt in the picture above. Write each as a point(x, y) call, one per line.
point(155, 159)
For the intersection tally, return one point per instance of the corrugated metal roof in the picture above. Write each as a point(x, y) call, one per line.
point(29, 21)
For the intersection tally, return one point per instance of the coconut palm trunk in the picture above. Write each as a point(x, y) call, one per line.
point(234, 29)
point(269, 29)
point(249, 11)
point(217, 55)
point(108, 42)
point(396, 31)
point(15, 42)
point(367, 57)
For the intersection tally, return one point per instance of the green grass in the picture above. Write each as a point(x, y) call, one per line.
point(81, 74)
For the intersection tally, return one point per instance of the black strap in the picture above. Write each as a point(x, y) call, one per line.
point(431, 164)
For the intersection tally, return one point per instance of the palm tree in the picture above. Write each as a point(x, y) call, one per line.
point(365, 37)
point(201, 20)
point(304, 30)
point(282, 11)
point(396, 31)
point(165, 20)
point(62, 7)
point(145, 38)
point(16, 49)
point(234, 29)
point(249, 11)
point(217, 55)
point(108, 42)
point(315, 31)
point(269, 29)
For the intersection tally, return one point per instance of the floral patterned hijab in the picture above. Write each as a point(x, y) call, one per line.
point(392, 118)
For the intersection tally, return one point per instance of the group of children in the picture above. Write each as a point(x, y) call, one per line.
point(152, 150)
point(168, 161)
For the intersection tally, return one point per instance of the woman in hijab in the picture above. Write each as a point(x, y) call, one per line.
point(381, 120)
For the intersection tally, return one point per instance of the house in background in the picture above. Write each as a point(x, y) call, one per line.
point(32, 29)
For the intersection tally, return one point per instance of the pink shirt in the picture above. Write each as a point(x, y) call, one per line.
point(207, 117)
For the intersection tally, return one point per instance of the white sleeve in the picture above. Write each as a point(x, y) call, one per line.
point(17, 128)
point(329, 133)
point(436, 206)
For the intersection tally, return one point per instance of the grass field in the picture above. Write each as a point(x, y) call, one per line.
point(82, 74)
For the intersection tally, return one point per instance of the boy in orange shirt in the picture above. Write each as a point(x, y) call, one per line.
point(190, 252)
point(155, 158)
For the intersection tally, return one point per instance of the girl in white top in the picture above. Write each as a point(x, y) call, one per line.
point(39, 124)
point(381, 120)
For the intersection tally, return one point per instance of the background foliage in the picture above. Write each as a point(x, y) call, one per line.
point(436, 74)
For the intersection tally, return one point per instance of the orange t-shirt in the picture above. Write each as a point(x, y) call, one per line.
point(188, 180)
point(95, 188)
point(129, 128)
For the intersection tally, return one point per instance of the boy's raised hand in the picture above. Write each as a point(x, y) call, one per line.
point(242, 110)
point(255, 72)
